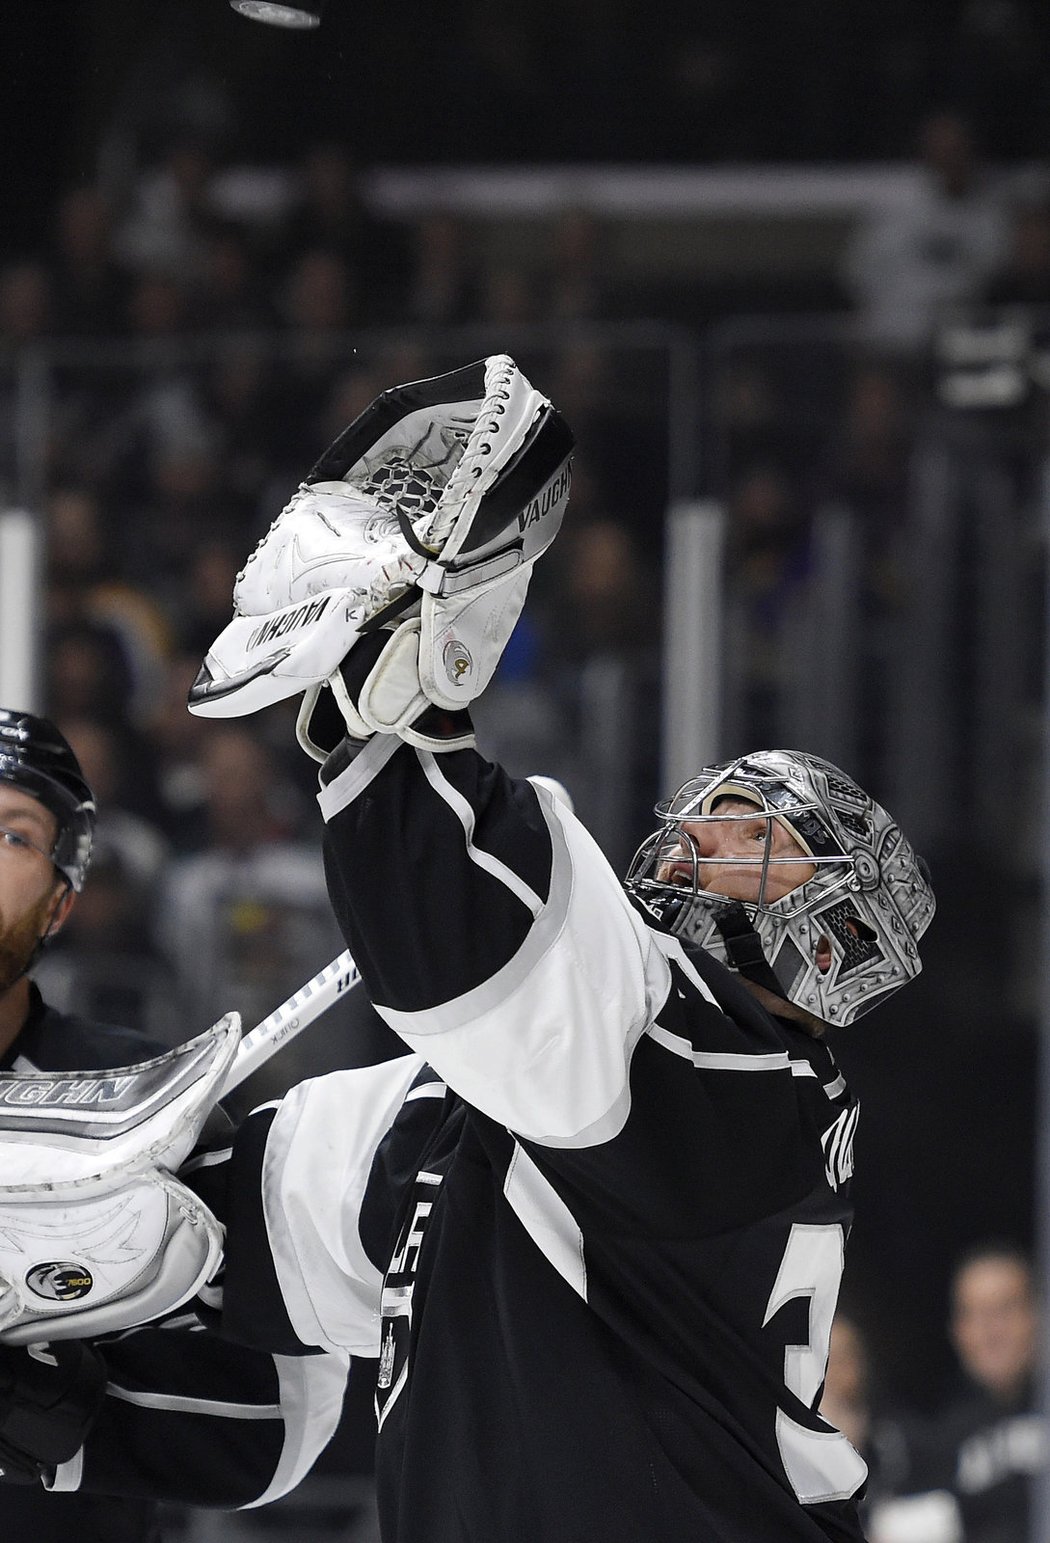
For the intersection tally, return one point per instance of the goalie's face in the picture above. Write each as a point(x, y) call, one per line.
point(738, 851)
point(780, 866)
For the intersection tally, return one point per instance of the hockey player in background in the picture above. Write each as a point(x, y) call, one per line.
point(593, 1225)
point(239, 1423)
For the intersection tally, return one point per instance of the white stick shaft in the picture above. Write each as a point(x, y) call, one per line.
point(290, 1019)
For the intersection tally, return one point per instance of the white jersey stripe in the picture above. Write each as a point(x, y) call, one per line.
point(465, 815)
point(672, 949)
point(67, 1476)
point(180, 1404)
point(547, 1219)
point(721, 1060)
point(207, 1160)
point(351, 782)
point(494, 993)
point(427, 1090)
point(312, 1388)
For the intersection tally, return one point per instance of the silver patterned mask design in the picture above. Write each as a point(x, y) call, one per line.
point(869, 896)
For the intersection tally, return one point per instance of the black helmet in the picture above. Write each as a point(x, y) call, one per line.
point(35, 757)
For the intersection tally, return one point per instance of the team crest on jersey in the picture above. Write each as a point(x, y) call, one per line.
point(398, 1290)
point(837, 1142)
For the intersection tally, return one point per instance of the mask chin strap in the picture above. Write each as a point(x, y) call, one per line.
point(744, 947)
point(45, 937)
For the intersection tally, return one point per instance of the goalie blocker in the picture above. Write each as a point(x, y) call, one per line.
point(420, 524)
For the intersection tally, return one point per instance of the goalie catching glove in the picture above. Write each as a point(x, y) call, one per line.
point(421, 524)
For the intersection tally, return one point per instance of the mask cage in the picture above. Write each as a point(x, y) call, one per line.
point(772, 799)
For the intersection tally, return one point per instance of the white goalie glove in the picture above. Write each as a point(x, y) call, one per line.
point(421, 522)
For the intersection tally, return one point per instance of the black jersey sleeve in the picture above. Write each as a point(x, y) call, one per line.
point(189, 1417)
point(306, 1195)
point(495, 938)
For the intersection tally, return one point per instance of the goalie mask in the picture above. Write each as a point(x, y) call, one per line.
point(845, 935)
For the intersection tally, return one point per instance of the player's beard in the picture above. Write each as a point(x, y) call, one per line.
point(19, 942)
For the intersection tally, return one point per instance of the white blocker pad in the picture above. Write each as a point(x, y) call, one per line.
point(96, 1233)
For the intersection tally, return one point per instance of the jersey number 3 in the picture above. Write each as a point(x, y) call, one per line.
point(820, 1463)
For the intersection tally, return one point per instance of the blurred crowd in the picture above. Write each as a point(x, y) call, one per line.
point(201, 359)
point(210, 325)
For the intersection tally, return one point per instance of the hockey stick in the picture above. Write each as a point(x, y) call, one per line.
point(285, 1022)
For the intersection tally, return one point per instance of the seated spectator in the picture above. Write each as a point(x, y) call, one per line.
point(318, 304)
point(868, 464)
point(986, 1448)
point(889, 1443)
point(135, 842)
point(329, 214)
point(105, 963)
point(84, 587)
point(177, 739)
point(229, 295)
point(605, 601)
point(245, 916)
point(26, 304)
point(87, 673)
point(443, 270)
point(162, 232)
point(994, 1440)
point(937, 248)
point(205, 602)
point(88, 282)
point(1024, 276)
point(574, 286)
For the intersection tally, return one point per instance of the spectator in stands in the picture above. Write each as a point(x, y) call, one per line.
point(245, 913)
point(867, 471)
point(853, 1403)
point(318, 304)
point(89, 285)
point(85, 586)
point(1024, 276)
point(237, 400)
point(606, 592)
point(508, 296)
point(26, 303)
point(442, 278)
point(936, 248)
point(229, 295)
point(749, 416)
point(163, 230)
point(87, 673)
point(330, 214)
point(177, 740)
point(574, 286)
point(994, 1441)
point(121, 826)
point(970, 1479)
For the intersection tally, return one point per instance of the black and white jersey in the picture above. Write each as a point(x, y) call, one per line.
point(592, 1227)
point(188, 1416)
